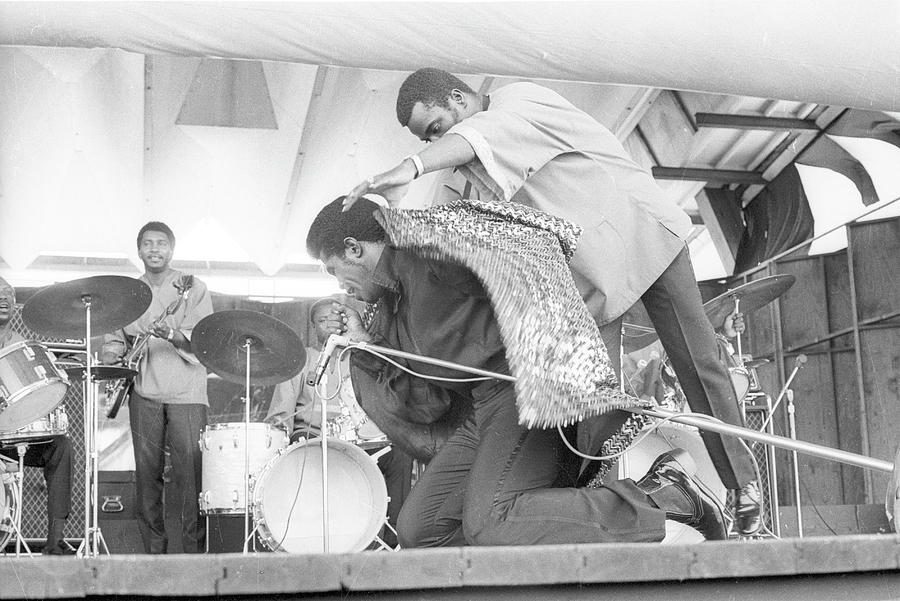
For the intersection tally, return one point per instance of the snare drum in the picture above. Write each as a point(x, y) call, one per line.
point(223, 462)
point(8, 508)
point(56, 423)
point(287, 499)
point(30, 384)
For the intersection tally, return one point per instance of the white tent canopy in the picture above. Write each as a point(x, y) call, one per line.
point(823, 51)
point(117, 113)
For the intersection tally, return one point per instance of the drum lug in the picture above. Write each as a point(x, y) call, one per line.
point(40, 371)
point(29, 353)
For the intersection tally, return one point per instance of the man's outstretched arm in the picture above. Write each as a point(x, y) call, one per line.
point(449, 151)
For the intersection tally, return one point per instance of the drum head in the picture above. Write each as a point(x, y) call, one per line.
point(32, 404)
point(287, 499)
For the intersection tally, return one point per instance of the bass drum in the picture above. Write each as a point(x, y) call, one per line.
point(637, 460)
point(8, 509)
point(287, 499)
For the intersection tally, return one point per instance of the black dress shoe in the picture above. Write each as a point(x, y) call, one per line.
point(747, 511)
point(670, 488)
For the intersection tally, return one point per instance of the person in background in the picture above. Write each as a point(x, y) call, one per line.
point(168, 405)
point(294, 406)
point(54, 456)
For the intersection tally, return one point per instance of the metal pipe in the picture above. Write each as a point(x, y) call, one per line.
point(807, 448)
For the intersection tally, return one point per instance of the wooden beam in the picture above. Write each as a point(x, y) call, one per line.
point(721, 211)
point(641, 103)
point(713, 176)
point(757, 122)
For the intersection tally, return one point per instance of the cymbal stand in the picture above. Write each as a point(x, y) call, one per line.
point(740, 349)
point(93, 538)
point(795, 462)
point(248, 342)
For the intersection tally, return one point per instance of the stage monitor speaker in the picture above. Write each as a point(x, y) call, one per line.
point(757, 410)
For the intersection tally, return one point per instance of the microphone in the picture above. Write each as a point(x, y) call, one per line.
point(331, 344)
point(801, 359)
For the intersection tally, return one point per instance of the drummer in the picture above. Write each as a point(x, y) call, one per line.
point(295, 407)
point(53, 455)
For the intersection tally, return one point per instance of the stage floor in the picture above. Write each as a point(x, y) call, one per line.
point(842, 567)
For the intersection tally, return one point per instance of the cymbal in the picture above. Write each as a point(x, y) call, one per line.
point(752, 296)
point(276, 352)
point(100, 372)
point(59, 309)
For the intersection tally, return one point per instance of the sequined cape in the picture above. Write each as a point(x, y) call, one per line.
point(553, 345)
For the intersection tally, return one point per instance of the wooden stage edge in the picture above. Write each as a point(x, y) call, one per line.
point(844, 567)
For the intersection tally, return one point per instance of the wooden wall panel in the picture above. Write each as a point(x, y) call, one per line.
point(816, 422)
point(837, 287)
point(846, 395)
point(876, 264)
point(804, 307)
point(881, 371)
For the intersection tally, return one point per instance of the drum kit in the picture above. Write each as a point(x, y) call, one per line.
point(742, 369)
point(33, 384)
point(283, 483)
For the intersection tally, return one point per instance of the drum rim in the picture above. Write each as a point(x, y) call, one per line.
point(257, 485)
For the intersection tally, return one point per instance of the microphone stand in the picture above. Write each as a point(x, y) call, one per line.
point(702, 422)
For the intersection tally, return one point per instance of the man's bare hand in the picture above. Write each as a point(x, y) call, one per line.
point(391, 185)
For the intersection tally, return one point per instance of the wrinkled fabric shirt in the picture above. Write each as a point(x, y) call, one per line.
point(534, 147)
point(167, 374)
point(295, 403)
point(435, 309)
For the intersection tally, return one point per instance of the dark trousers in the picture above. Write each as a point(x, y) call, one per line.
point(55, 457)
point(676, 310)
point(492, 483)
point(396, 467)
point(155, 425)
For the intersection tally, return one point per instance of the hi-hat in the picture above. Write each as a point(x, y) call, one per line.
point(59, 310)
point(220, 343)
point(752, 296)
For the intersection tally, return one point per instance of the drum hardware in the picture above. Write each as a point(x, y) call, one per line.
point(13, 522)
point(892, 504)
point(91, 306)
point(245, 347)
point(100, 372)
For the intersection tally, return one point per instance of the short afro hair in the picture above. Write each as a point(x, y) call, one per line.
point(328, 230)
point(430, 87)
point(156, 226)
